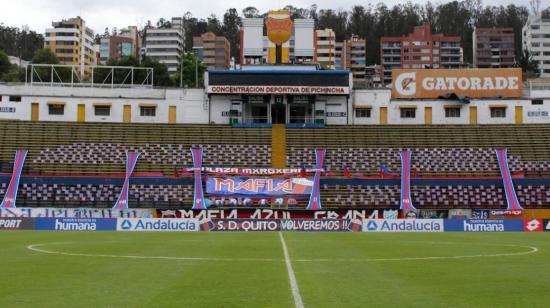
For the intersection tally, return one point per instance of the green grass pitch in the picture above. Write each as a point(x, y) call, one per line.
point(116, 269)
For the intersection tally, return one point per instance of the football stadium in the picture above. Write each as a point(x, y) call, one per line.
point(277, 183)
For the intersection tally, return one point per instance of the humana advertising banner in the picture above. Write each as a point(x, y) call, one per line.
point(403, 225)
point(75, 224)
point(157, 224)
point(259, 187)
point(484, 225)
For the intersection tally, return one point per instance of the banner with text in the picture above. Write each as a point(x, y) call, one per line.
point(259, 187)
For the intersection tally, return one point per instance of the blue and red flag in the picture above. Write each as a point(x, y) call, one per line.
point(511, 197)
point(315, 197)
point(346, 171)
point(303, 173)
point(406, 200)
point(198, 196)
point(11, 193)
point(131, 160)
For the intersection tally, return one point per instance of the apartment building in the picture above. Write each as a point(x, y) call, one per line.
point(166, 44)
point(126, 43)
point(72, 43)
point(214, 51)
point(493, 47)
point(536, 39)
point(419, 49)
point(352, 55)
point(325, 42)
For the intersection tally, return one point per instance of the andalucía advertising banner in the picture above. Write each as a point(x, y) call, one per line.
point(259, 187)
point(403, 225)
point(157, 224)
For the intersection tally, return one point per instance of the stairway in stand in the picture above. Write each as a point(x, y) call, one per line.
point(278, 146)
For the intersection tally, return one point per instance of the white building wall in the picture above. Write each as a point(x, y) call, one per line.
point(194, 107)
point(252, 36)
point(303, 38)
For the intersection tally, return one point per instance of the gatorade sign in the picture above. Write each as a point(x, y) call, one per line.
point(474, 83)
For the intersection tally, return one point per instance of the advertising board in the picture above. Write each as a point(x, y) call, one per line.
point(474, 83)
point(75, 224)
point(157, 224)
point(258, 213)
point(75, 212)
point(403, 225)
point(245, 225)
point(484, 225)
point(533, 225)
point(332, 225)
point(546, 223)
point(16, 224)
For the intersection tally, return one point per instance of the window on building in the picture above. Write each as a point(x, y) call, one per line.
point(362, 112)
point(498, 112)
point(408, 113)
point(536, 102)
point(56, 109)
point(102, 111)
point(147, 111)
point(15, 98)
point(452, 112)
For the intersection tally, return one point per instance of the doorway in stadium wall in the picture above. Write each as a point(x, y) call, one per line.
point(278, 114)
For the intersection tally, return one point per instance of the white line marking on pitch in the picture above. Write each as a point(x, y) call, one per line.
point(35, 248)
point(293, 283)
point(531, 250)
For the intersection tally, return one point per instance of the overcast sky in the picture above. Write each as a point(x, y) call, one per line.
point(38, 14)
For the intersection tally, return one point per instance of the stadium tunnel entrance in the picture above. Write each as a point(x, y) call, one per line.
point(291, 97)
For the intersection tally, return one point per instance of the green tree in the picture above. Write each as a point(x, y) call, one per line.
point(190, 68)
point(160, 72)
point(231, 30)
point(528, 65)
point(44, 74)
point(5, 64)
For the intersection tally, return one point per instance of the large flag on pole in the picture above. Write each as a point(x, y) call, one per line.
point(511, 197)
point(315, 197)
point(406, 200)
point(11, 193)
point(198, 196)
point(131, 160)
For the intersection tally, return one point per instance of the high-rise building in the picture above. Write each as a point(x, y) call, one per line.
point(72, 42)
point(214, 51)
point(536, 39)
point(255, 48)
point(420, 49)
point(493, 47)
point(325, 42)
point(126, 43)
point(352, 55)
point(166, 44)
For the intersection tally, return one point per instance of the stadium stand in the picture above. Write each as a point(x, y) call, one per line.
point(438, 149)
point(98, 150)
